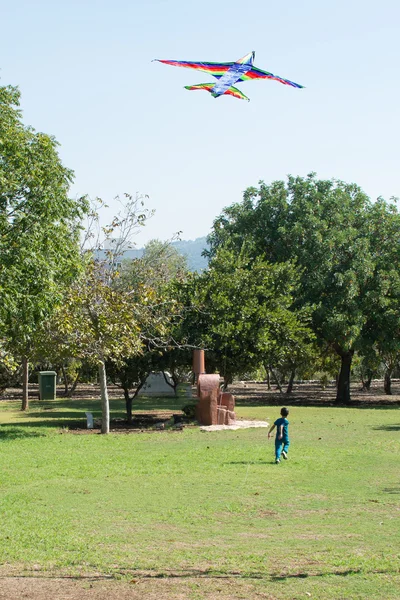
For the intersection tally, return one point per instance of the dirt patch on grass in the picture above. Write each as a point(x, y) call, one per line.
point(267, 513)
point(156, 422)
point(174, 587)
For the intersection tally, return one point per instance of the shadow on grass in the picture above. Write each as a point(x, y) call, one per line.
point(387, 428)
point(66, 404)
point(61, 416)
point(15, 433)
point(70, 413)
point(52, 424)
point(167, 403)
point(200, 574)
point(306, 575)
point(93, 404)
point(392, 490)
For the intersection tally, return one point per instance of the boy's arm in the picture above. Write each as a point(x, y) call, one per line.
point(269, 432)
point(280, 436)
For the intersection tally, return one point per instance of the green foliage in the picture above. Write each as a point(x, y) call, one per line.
point(321, 226)
point(381, 335)
point(39, 227)
point(189, 410)
point(119, 319)
point(159, 264)
point(95, 322)
point(154, 281)
point(130, 374)
point(247, 314)
point(8, 375)
point(345, 249)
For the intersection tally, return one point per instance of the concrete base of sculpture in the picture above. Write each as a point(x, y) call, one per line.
point(234, 426)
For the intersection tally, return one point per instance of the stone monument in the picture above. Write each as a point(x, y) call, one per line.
point(155, 385)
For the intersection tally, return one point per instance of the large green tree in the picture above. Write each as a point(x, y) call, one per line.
point(39, 230)
point(246, 305)
point(324, 226)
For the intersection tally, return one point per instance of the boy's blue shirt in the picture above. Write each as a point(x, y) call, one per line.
point(285, 423)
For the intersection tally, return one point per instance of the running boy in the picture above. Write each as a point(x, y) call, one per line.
point(282, 435)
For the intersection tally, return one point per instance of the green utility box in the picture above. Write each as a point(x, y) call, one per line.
point(47, 385)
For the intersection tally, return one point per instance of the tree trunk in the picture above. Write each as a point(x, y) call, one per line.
point(387, 384)
point(343, 387)
point(275, 376)
point(25, 377)
point(128, 405)
point(174, 383)
point(369, 381)
point(105, 406)
point(289, 388)
point(367, 384)
point(175, 379)
point(268, 380)
point(66, 387)
point(73, 386)
point(138, 388)
point(227, 381)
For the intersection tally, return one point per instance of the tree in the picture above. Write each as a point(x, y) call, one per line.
point(97, 323)
point(157, 273)
point(247, 305)
point(130, 375)
point(291, 347)
point(322, 225)
point(39, 230)
point(110, 321)
point(160, 264)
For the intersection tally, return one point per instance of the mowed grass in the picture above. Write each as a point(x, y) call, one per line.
point(206, 507)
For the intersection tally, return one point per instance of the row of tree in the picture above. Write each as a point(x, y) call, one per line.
point(346, 254)
point(303, 275)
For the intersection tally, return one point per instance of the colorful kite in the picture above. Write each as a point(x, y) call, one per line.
point(228, 74)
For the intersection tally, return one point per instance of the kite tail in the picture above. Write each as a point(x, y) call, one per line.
point(209, 87)
point(200, 86)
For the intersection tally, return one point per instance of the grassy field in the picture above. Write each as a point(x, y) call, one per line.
point(208, 513)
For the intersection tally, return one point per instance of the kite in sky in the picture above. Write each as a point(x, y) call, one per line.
point(228, 74)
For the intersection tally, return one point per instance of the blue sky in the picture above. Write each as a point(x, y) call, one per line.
point(126, 124)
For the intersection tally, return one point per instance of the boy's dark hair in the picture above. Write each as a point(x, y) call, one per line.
point(284, 412)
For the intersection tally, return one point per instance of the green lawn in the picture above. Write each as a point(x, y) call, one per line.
point(209, 507)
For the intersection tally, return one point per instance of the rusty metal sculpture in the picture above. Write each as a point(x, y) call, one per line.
point(214, 407)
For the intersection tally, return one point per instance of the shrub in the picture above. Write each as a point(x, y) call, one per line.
point(189, 410)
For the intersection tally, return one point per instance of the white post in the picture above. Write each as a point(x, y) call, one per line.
point(105, 407)
point(89, 419)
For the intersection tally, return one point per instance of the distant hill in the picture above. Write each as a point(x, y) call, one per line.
point(191, 249)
